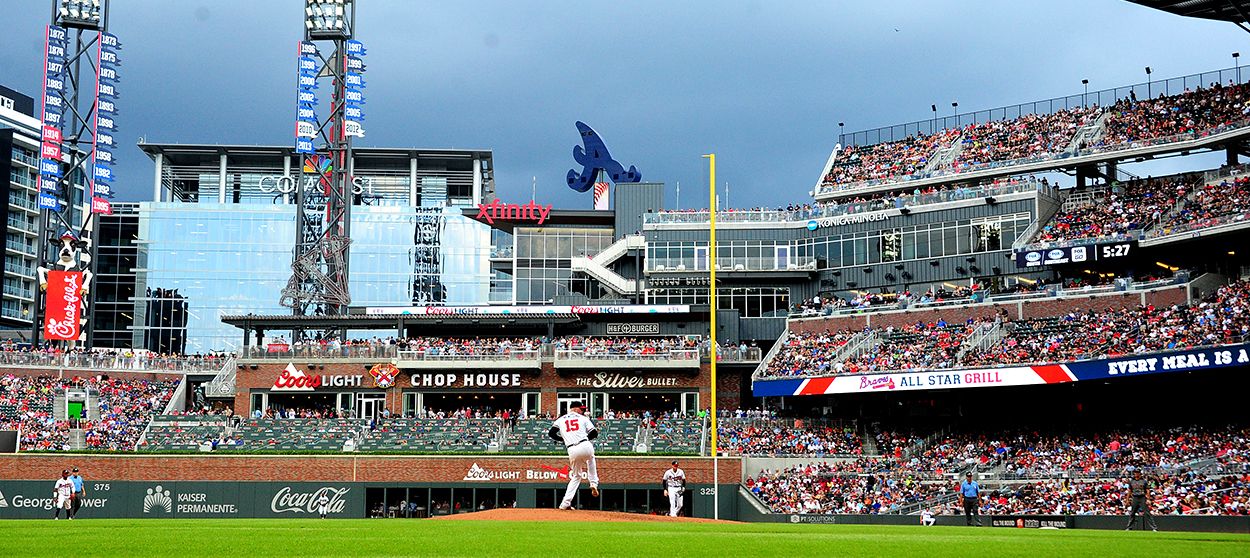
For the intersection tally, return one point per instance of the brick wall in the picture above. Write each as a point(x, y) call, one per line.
point(391, 469)
point(1015, 310)
point(545, 380)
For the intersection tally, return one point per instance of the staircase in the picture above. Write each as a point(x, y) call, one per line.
point(945, 156)
point(58, 406)
point(597, 266)
point(222, 385)
point(983, 337)
point(1089, 134)
point(77, 439)
point(777, 346)
point(862, 343)
point(92, 409)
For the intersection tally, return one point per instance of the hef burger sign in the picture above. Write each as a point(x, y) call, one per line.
point(294, 379)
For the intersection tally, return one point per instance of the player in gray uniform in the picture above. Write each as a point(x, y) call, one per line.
point(674, 484)
point(1139, 493)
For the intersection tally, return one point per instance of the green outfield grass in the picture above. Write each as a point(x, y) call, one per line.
point(292, 537)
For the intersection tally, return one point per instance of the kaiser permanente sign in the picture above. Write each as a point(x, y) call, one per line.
point(1136, 365)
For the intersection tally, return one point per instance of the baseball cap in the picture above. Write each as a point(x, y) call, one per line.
point(75, 469)
point(65, 472)
point(577, 405)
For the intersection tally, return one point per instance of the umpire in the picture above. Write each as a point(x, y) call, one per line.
point(1139, 492)
point(970, 499)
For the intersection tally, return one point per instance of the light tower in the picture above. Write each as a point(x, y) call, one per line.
point(324, 192)
point(76, 163)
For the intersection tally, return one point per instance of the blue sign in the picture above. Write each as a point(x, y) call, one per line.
point(48, 167)
point(1162, 363)
point(594, 157)
point(354, 80)
point(104, 139)
point(102, 190)
point(304, 146)
point(355, 48)
point(105, 123)
point(102, 173)
point(46, 183)
point(47, 201)
point(109, 41)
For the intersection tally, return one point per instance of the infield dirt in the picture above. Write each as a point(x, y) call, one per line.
point(525, 514)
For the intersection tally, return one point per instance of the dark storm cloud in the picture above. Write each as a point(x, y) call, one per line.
point(763, 84)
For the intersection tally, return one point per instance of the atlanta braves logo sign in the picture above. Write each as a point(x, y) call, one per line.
point(384, 374)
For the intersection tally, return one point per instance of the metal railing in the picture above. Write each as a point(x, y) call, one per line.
point(503, 355)
point(791, 263)
point(110, 361)
point(592, 354)
point(283, 351)
point(836, 210)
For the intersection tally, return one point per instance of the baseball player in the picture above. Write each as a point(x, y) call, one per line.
point(63, 492)
point(323, 505)
point(1140, 497)
point(926, 518)
point(674, 484)
point(576, 431)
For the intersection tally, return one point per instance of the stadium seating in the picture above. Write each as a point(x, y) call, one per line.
point(786, 437)
point(183, 432)
point(125, 408)
point(295, 434)
point(677, 436)
point(1130, 122)
point(432, 435)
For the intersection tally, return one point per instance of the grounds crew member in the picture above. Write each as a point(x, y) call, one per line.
point(674, 485)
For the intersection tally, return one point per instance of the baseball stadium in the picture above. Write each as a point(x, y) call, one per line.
point(998, 332)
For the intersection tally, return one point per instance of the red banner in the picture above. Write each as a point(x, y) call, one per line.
point(64, 306)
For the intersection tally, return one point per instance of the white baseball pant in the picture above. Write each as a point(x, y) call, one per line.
point(581, 458)
point(676, 498)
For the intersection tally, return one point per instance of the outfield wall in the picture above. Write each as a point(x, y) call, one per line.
point(1201, 523)
point(289, 485)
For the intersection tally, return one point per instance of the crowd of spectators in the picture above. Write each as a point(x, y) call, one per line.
point(786, 437)
point(1192, 112)
point(1222, 318)
point(1028, 137)
point(1035, 472)
point(1209, 205)
point(823, 488)
point(1121, 210)
point(125, 408)
point(1128, 122)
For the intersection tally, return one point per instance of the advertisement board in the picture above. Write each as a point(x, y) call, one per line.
point(185, 499)
point(1137, 365)
point(1059, 255)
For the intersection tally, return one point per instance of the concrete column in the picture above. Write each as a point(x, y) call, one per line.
point(221, 180)
point(156, 182)
point(477, 181)
point(413, 189)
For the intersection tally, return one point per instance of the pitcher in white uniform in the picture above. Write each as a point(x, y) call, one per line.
point(576, 431)
point(675, 488)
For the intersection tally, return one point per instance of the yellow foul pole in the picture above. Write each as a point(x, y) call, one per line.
point(711, 251)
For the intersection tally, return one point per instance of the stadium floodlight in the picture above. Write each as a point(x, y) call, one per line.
point(1085, 83)
point(1149, 92)
point(1237, 64)
point(841, 133)
point(82, 14)
point(328, 19)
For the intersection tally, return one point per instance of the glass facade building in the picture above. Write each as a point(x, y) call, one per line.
point(219, 238)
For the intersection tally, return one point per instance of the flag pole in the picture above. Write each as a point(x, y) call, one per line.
point(711, 249)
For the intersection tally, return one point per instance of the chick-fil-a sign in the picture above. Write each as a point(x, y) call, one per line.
point(64, 306)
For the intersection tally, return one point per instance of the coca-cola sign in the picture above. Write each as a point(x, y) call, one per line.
point(287, 500)
point(64, 306)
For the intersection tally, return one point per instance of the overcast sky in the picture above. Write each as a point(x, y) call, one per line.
point(762, 84)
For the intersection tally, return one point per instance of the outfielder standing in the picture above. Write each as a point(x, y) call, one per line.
point(323, 505)
point(63, 491)
point(1139, 492)
point(674, 484)
point(576, 431)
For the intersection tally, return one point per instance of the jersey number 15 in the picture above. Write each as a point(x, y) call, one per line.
point(571, 425)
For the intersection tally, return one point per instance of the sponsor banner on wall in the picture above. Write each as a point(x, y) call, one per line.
point(530, 310)
point(1157, 363)
point(1031, 521)
point(63, 310)
point(472, 380)
point(185, 499)
point(293, 379)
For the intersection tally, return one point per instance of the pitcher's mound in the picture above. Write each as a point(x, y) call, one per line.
point(528, 514)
